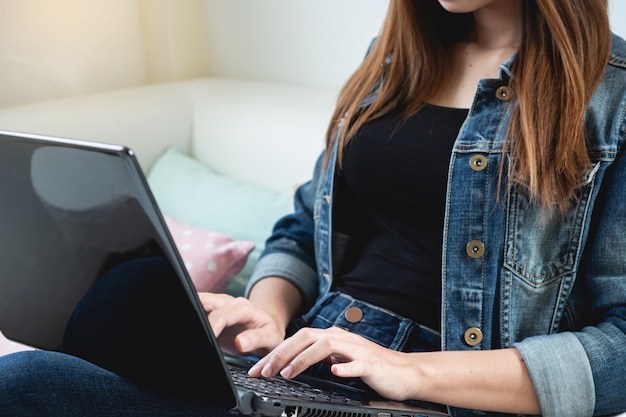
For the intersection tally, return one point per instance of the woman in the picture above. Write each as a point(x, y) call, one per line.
point(515, 226)
point(460, 241)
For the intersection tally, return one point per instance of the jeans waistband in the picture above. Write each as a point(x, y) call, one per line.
point(372, 322)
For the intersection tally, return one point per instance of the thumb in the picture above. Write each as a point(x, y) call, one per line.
point(258, 341)
point(352, 369)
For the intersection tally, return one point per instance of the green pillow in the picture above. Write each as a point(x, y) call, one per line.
point(192, 193)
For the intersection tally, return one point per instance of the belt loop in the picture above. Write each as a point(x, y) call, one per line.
point(405, 329)
point(314, 311)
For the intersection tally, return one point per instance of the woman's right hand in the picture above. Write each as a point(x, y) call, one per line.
point(240, 326)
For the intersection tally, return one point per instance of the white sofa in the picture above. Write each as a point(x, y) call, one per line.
point(268, 134)
point(259, 140)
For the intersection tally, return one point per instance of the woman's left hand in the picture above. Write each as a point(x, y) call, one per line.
point(386, 371)
point(492, 380)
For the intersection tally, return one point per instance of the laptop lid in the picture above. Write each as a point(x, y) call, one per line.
point(77, 217)
point(71, 211)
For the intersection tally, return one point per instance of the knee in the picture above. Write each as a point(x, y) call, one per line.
point(22, 376)
point(34, 381)
point(17, 368)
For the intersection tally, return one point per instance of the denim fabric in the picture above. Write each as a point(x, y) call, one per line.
point(378, 325)
point(42, 383)
point(517, 276)
point(133, 346)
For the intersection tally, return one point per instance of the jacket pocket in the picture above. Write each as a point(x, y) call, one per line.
point(540, 249)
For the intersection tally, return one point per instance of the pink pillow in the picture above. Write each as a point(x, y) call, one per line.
point(8, 346)
point(211, 258)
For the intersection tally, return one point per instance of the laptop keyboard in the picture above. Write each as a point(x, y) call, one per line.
point(286, 388)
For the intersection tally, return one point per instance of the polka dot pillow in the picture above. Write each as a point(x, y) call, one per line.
point(211, 258)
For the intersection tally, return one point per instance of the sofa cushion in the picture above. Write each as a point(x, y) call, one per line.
point(194, 194)
point(262, 133)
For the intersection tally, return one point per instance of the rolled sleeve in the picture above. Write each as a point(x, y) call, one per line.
point(561, 374)
point(290, 268)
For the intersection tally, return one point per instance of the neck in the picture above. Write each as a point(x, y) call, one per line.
point(498, 25)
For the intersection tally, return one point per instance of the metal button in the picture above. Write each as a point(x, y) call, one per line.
point(473, 336)
point(475, 249)
point(478, 162)
point(354, 314)
point(504, 93)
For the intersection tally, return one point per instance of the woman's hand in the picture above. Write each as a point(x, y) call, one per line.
point(240, 326)
point(386, 371)
point(493, 380)
point(255, 325)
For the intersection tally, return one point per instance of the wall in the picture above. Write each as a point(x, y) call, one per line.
point(58, 48)
point(309, 42)
point(175, 39)
point(52, 48)
point(617, 8)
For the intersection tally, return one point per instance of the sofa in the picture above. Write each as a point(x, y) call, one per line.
point(222, 156)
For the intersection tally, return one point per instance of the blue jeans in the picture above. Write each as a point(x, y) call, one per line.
point(374, 323)
point(133, 346)
point(130, 350)
point(43, 383)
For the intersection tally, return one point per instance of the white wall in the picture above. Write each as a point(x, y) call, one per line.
point(617, 9)
point(175, 39)
point(53, 48)
point(307, 42)
point(57, 48)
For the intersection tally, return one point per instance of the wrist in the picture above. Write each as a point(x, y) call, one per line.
point(423, 376)
point(279, 298)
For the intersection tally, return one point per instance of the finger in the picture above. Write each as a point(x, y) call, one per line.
point(234, 343)
point(234, 312)
point(351, 369)
point(281, 355)
point(257, 341)
point(315, 353)
point(211, 302)
point(274, 361)
point(307, 347)
point(242, 328)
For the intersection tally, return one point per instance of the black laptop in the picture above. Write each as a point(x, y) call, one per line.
point(75, 218)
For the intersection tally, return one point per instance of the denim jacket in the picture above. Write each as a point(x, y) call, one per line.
point(554, 288)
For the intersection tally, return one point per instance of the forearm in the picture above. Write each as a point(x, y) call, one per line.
point(278, 297)
point(493, 380)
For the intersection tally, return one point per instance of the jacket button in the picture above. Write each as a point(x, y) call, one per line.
point(475, 249)
point(504, 93)
point(354, 314)
point(473, 336)
point(478, 162)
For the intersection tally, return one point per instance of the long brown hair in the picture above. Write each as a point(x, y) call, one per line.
point(564, 49)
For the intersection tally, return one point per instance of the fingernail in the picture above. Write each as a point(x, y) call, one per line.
point(267, 371)
point(253, 369)
point(287, 372)
point(242, 343)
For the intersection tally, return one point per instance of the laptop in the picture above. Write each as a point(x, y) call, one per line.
point(77, 221)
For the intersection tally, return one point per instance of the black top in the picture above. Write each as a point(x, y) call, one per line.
point(390, 198)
